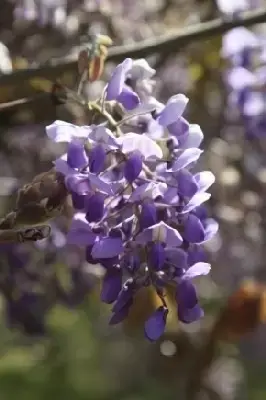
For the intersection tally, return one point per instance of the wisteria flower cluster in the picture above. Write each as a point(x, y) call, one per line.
point(245, 51)
point(138, 204)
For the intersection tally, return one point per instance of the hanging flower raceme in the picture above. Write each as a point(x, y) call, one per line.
point(138, 209)
point(245, 77)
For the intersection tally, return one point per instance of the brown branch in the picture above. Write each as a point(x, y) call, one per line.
point(164, 45)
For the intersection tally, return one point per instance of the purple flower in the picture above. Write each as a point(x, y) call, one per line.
point(139, 216)
point(155, 325)
point(76, 155)
point(117, 90)
point(188, 307)
point(173, 110)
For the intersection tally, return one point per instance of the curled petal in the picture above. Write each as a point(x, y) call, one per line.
point(211, 228)
point(116, 84)
point(196, 201)
point(193, 139)
point(179, 127)
point(129, 99)
point(198, 269)
point(204, 180)
point(187, 157)
point(173, 110)
point(141, 70)
point(61, 131)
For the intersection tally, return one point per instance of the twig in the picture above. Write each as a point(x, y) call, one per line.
point(16, 103)
point(164, 45)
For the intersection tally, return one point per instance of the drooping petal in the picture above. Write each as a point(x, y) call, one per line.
point(156, 256)
point(193, 229)
point(107, 247)
point(97, 156)
point(125, 295)
point(133, 166)
point(129, 99)
point(187, 184)
point(171, 196)
point(186, 295)
point(94, 206)
point(78, 201)
point(80, 232)
point(148, 215)
point(176, 257)
point(173, 110)
point(189, 315)
point(179, 127)
point(196, 254)
point(111, 285)
point(201, 212)
point(121, 314)
point(155, 325)
point(76, 154)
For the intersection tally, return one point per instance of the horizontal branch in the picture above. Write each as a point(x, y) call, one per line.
point(164, 45)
